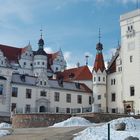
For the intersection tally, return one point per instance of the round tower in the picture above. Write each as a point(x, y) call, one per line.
point(99, 81)
point(40, 59)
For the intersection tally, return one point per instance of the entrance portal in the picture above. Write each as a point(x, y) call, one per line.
point(42, 109)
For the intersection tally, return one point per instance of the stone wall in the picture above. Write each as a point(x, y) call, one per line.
point(4, 119)
point(37, 120)
point(104, 117)
point(45, 120)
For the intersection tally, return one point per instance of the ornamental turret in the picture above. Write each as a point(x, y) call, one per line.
point(99, 81)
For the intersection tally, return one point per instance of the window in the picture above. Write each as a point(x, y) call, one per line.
point(113, 97)
point(14, 91)
point(56, 96)
point(113, 81)
point(99, 78)
point(28, 93)
point(1, 89)
point(103, 79)
point(45, 83)
point(40, 82)
point(68, 110)
point(94, 79)
point(90, 100)
point(13, 106)
point(56, 68)
point(57, 109)
point(38, 63)
point(43, 93)
point(31, 64)
point(99, 97)
point(79, 99)
point(113, 110)
point(43, 63)
point(131, 59)
point(68, 98)
point(132, 91)
point(24, 63)
point(27, 108)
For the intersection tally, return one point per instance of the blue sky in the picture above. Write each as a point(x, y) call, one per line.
point(71, 25)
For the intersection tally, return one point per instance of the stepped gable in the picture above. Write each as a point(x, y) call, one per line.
point(112, 63)
point(80, 73)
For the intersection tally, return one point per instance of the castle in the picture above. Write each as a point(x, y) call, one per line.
point(35, 81)
point(116, 90)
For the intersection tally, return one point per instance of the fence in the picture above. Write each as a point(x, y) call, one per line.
point(53, 110)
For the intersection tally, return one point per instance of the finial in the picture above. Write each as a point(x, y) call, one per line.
point(99, 35)
point(41, 32)
point(29, 43)
point(87, 56)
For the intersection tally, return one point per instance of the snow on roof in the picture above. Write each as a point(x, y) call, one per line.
point(101, 132)
point(73, 121)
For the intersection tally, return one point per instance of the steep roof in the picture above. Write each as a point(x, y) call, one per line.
point(80, 73)
point(99, 60)
point(99, 63)
point(11, 53)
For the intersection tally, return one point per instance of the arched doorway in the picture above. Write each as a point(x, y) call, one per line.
point(42, 109)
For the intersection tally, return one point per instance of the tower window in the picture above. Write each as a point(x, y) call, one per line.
point(99, 97)
point(132, 91)
point(113, 97)
point(1, 89)
point(94, 79)
point(104, 79)
point(131, 59)
point(99, 78)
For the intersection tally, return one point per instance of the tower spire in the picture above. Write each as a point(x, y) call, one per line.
point(41, 41)
point(99, 35)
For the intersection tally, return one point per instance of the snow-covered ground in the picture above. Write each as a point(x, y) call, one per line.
point(101, 132)
point(4, 126)
point(73, 121)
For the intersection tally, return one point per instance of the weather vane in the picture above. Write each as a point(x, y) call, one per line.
point(41, 31)
point(99, 35)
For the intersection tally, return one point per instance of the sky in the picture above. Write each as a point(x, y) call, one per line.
point(72, 25)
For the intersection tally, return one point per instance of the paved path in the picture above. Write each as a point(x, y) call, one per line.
point(49, 133)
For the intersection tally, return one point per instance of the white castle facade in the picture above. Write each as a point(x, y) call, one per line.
point(27, 83)
point(117, 89)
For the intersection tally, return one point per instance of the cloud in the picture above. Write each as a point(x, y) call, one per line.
point(67, 56)
point(48, 50)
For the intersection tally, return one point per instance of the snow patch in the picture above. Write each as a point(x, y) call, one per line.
point(3, 126)
point(73, 121)
point(101, 132)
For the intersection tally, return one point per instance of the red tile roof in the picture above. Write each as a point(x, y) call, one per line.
point(99, 63)
point(80, 73)
point(11, 53)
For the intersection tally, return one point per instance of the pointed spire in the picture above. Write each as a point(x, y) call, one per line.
point(41, 41)
point(99, 60)
point(99, 46)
